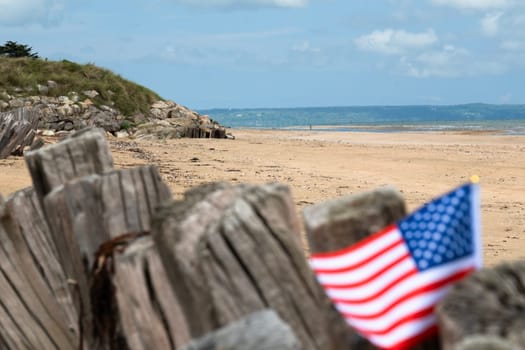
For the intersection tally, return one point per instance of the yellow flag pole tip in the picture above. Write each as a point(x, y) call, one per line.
point(474, 179)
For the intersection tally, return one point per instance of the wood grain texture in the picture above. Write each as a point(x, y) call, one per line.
point(25, 211)
point(90, 218)
point(150, 314)
point(234, 250)
point(262, 330)
point(343, 221)
point(489, 302)
point(17, 131)
point(30, 314)
point(83, 153)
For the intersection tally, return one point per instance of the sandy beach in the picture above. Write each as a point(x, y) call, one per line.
point(322, 165)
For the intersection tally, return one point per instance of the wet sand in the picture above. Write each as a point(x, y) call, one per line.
point(322, 165)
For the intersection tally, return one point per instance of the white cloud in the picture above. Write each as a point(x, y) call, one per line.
point(305, 47)
point(30, 11)
point(490, 23)
point(473, 4)
point(391, 41)
point(449, 62)
point(436, 63)
point(243, 3)
point(512, 45)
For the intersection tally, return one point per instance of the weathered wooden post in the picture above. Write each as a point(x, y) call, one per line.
point(17, 131)
point(95, 213)
point(150, 314)
point(34, 312)
point(91, 218)
point(84, 153)
point(26, 213)
point(234, 250)
point(342, 222)
point(489, 302)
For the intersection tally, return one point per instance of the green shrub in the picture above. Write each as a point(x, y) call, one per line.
point(128, 97)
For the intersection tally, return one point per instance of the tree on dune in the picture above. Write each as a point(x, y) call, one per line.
point(14, 49)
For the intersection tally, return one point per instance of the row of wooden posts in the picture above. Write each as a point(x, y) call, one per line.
point(17, 131)
point(92, 257)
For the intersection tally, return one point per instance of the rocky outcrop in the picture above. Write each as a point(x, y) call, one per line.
point(166, 119)
point(66, 112)
point(171, 120)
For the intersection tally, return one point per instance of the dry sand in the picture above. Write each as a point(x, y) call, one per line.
point(323, 165)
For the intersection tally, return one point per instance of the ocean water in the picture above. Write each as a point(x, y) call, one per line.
point(506, 119)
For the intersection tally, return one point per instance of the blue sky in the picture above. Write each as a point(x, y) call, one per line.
point(289, 53)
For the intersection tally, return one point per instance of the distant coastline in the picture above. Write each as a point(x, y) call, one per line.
point(505, 119)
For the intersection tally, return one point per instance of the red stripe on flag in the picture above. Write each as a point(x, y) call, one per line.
point(379, 293)
point(362, 262)
point(412, 317)
point(356, 246)
point(369, 278)
point(428, 288)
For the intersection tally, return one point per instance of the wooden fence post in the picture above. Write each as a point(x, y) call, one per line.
point(149, 311)
point(489, 302)
point(234, 250)
point(94, 213)
point(91, 218)
point(33, 308)
point(26, 213)
point(17, 130)
point(84, 153)
point(344, 221)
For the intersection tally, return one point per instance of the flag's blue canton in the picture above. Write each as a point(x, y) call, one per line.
point(441, 231)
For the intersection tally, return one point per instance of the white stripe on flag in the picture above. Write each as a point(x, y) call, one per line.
point(399, 312)
point(362, 273)
point(396, 291)
point(361, 292)
point(404, 332)
point(352, 257)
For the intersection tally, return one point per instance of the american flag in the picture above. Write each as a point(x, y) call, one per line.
point(387, 285)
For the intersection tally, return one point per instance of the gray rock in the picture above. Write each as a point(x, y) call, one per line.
point(48, 133)
point(52, 84)
point(65, 110)
point(42, 89)
point(105, 120)
point(64, 100)
point(91, 93)
point(160, 105)
point(121, 134)
point(68, 126)
point(108, 109)
point(73, 96)
point(16, 103)
point(157, 113)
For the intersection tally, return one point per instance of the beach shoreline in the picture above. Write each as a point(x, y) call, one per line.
point(319, 166)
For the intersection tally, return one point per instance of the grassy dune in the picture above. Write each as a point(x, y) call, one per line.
point(20, 76)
